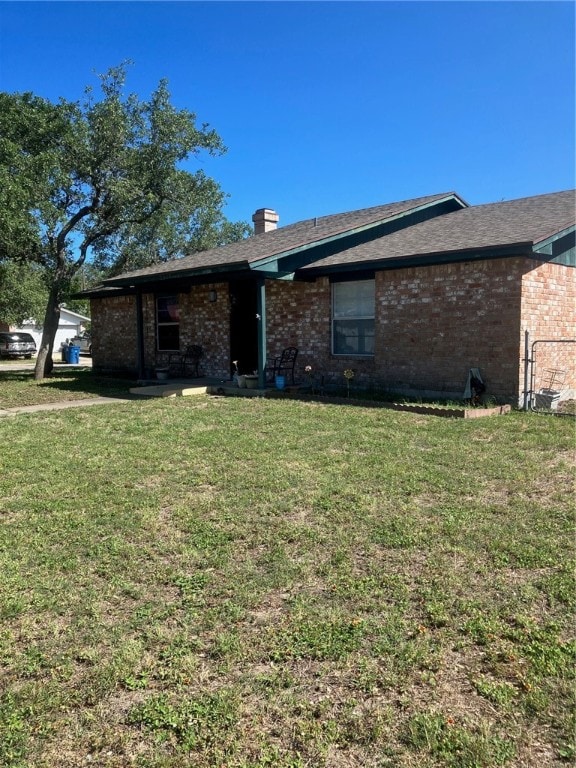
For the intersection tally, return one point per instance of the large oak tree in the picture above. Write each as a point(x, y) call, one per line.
point(102, 179)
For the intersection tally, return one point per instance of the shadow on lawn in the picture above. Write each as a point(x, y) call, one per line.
point(75, 381)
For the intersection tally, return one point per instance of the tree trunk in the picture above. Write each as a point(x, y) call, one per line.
point(44, 361)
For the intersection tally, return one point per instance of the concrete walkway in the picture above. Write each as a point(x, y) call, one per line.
point(168, 388)
point(64, 404)
point(85, 362)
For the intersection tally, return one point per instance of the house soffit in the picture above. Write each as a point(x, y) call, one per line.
point(560, 246)
point(420, 260)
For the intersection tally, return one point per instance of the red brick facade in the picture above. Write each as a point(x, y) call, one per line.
point(549, 315)
point(432, 324)
point(114, 328)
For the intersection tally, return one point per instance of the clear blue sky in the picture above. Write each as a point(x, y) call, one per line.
point(331, 106)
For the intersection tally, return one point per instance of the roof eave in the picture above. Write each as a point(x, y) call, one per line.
point(264, 263)
point(424, 259)
point(157, 277)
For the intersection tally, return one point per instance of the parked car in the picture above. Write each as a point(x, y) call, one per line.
point(17, 344)
point(84, 341)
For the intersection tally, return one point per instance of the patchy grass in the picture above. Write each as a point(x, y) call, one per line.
point(18, 387)
point(249, 583)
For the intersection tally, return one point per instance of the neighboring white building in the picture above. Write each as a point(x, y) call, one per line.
point(71, 324)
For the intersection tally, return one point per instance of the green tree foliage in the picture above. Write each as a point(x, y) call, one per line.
point(103, 179)
point(23, 292)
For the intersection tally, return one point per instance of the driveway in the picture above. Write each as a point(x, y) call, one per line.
point(28, 365)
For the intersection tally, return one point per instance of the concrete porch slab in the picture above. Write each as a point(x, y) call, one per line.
point(186, 387)
point(171, 388)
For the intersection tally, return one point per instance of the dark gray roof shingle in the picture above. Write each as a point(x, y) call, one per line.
point(283, 239)
point(523, 222)
point(528, 220)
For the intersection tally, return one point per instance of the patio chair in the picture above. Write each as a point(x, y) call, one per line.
point(283, 365)
point(181, 362)
point(191, 359)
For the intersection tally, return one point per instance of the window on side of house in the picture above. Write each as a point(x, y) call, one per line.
point(353, 317)
point(167, 323)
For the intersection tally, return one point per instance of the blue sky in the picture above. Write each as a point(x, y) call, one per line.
point(331, 106)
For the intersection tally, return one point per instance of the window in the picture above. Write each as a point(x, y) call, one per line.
point(353, 317)
point(168, 323)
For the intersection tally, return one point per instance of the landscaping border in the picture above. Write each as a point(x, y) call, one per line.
point(450, 412)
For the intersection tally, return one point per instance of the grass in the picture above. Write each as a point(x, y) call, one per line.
point(18, 387)
point(250, 583)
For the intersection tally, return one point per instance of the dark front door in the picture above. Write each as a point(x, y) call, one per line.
point(244, 325)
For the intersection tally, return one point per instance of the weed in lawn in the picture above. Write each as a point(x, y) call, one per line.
point(395, 533)
point(456, 745)
point(315, 638)
point(14, 729)
point(204, 724)
point(559, 586)
point(500, 693)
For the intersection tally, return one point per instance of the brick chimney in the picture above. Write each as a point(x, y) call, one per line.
point(265, 220)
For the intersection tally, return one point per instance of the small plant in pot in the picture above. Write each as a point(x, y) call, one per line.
point(161, 374)
point(251, 380)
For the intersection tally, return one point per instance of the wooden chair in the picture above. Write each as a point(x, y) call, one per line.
point(283, 365)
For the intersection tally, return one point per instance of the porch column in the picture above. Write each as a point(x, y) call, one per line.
point(261, 315)
point(139, 333)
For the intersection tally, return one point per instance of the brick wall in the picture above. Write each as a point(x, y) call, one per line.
point(113, 329)
point(432, 325)
point(435, 323)
point(201, 322)
point(549, 314)
point(208, 324)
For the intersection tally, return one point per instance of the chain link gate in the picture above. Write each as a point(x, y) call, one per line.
point(550, 376)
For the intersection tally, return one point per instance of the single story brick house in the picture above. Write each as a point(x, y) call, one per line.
point(410, 295)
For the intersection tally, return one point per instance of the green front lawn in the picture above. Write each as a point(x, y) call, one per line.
point(249, 583)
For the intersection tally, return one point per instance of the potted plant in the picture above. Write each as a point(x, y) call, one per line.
point(251, 380)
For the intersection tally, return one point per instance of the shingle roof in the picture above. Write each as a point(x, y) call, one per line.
point(528, 220)
point(523, 223)
point(294, 236)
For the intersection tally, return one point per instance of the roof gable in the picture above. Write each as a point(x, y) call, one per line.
point(303, 239)
point(525, 225)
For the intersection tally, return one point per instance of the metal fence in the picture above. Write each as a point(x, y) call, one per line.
point(550, 375)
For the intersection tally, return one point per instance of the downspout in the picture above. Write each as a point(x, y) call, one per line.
point(139, 334)
point(261, 318)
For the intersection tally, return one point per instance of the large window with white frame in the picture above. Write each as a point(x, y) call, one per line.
point(353, 317)
point(167, 324)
